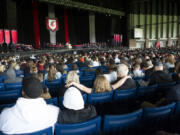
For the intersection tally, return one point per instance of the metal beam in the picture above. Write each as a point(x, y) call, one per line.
point(79, 5)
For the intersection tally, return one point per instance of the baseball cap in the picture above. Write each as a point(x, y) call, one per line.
point(73, 99)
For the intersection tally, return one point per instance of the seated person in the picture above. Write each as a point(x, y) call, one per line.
point(137, 72)
point(52, 74)
point(18, 71)
point(33, 69)
point(41, 66)
point(60, 70)
point(30, 113)
point(148, 68)
point(101, 85)
point(112, 74)
point(75, 68)
point(45, 93)
point(27, 66)
point(159, 76)
point(176, 77)
point(172, 95)
point(90, 65)
point(75, 110)
point(71, 77)
point(99, 71)
point(116, 59)
point(95, 62)
point(2, 69)
point(11, 74)
point(170, 62)
point(124, 82)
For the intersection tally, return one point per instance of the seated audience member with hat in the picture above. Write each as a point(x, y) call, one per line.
point(75, 109)
point(159, 76)
point(148, 68)
point(30, 113)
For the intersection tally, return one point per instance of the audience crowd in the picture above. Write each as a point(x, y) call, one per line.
point(124, 70)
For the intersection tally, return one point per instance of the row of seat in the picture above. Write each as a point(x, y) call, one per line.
point(86, 80)
point(20, 73)
point(97, 98)
point(143, 120)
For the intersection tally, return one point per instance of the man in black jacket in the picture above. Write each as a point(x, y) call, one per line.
point(75, 110)
point(124, 82)
point(159, 76)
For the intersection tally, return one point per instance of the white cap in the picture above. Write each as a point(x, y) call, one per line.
point(73, 99)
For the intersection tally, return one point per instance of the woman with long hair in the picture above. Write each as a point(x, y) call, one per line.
point(52, 74)
point(72, 76)
point(170, 62)
point(101, 85)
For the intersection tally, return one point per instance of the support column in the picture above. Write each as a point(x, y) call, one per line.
point(51, 14)
point(113, 25)
point(66, 26)
point(11, 14)
point(92, 31)
point(36, 23)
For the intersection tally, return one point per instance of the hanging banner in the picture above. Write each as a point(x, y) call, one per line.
point(52, 24)
point(7, 36)
point(14, 36)
point(1, 37)
point(118, 38)
point(114, 37)
point(121, 38)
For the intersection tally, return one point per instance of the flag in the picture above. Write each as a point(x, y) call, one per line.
point(1, 37)
point(7, 36)
point(14, 36)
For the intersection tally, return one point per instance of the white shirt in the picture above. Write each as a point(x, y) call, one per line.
point(28, 115)
point(95, 64)
point(111, 77)
point(117, 60)
point(138, 73)
point(169, 65)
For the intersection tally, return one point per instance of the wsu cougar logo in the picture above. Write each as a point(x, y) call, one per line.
point(52, 24)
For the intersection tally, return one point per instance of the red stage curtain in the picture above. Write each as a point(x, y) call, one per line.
point(14, 36)
point(36, 23)
point(1, 37)
point(66, 26)
point(7, 36)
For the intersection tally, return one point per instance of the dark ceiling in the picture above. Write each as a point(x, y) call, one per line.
point(113, 4)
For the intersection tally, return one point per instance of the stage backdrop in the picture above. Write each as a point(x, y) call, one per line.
point(78, 24)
